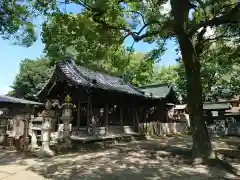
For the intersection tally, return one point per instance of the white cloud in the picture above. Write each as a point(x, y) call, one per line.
point(210, 32)
point(4, 90)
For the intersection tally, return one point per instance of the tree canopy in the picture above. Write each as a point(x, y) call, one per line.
point(219, 69)
point(31, 78)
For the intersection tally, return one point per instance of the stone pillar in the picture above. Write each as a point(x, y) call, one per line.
point(46, 130)
point(34, 144)
point(67, 108)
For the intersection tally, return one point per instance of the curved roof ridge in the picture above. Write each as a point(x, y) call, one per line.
point(82, 76)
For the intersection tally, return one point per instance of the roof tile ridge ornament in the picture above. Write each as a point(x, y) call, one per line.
point(67, 59)
point(67, 103)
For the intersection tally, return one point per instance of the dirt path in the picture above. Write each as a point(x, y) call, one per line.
point(161, 158)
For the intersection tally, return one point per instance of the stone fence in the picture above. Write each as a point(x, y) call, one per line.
point(160, 129)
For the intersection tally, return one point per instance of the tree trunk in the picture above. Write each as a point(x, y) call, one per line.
point(202, 147)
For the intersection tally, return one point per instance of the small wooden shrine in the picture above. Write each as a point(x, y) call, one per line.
point(102, 104)
point(16, 115)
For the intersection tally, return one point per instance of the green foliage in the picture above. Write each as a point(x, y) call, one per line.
point(220, 73)
point(95, 47)
point(16, 22)
point(31, 78)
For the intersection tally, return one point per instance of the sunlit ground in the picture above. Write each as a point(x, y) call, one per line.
point(152, 159)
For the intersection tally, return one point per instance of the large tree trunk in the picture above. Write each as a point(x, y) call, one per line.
point(202, 147)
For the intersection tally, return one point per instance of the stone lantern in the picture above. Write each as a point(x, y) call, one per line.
point(47, 114)
point(67, 110)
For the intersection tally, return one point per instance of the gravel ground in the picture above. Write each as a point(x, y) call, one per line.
point(152, 159)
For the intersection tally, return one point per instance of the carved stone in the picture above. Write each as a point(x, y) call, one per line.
point(67, 109)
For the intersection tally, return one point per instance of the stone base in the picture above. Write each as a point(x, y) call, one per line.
point(64, 144)
point(34, 146)
point(45, 151)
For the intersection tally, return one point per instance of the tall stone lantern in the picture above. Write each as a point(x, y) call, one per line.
point(67, 110)
point(48, 115)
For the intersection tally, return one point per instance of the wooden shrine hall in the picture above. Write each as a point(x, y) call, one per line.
point(103, 104)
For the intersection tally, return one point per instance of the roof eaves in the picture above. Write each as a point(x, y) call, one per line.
point(155, 85)
point(70, 64)
point(9, 99)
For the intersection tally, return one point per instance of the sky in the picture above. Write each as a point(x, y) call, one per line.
point(12, 55)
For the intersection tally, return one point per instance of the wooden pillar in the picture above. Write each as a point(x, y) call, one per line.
point(78, 114)
point(114, 115)
point(88, 115)
point(121, 116)
point(133, 116)
point(137, 119)
point(106, 118)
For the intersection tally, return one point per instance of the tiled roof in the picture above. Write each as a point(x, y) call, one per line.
point(233, 110)
point(236, 98)
point(82, 76)
point(216, 106)
point(208, 106)
point(9, 99)
point(158, 90)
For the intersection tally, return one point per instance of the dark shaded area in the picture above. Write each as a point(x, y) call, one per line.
point(10, 156)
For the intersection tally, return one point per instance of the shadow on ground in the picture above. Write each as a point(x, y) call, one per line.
point(164, 158)
point(10, 156)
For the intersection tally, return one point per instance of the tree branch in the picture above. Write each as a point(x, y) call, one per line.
point(199, 45)
point(230, 17)
point(98, 13)
point(140, 14)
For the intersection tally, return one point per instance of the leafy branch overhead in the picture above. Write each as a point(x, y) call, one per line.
point(212, 17)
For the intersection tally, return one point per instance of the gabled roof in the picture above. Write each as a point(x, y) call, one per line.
point(158, 90)
point(9, 99)
point(81, 76)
